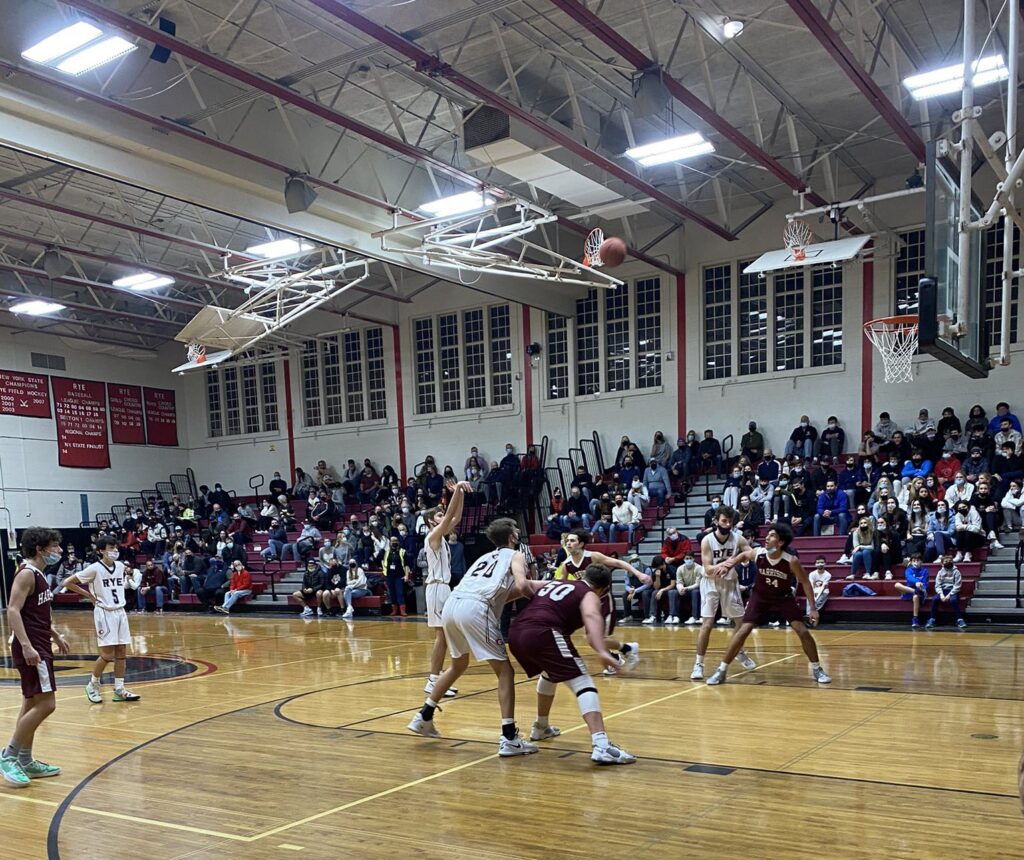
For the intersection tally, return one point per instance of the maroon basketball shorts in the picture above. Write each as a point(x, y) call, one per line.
point(608, 611)
point(758, 609)
point(541, 649)
point(37, 679)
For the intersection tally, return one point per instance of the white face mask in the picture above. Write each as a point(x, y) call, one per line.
point(803, 423)
point(113, 555)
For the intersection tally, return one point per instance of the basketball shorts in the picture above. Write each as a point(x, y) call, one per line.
point(37, 679)
point(724, 594)
point(608, 611)
point(111, 627)
point(471, 628)
point(435, 595)
point(541, 649)
point(758, 609)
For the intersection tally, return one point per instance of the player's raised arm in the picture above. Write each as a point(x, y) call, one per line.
point(452, 514)
point(607, 561)
point(593, 625)
point(808, 589)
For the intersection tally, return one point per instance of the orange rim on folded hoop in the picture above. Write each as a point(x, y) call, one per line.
point(196, 352)
point(592, 247)
point(895, 338)
point(797, 236)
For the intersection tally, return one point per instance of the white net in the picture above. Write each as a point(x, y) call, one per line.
point(196, 352)
point(592, 248)
point(797, 236)
point(895, 338)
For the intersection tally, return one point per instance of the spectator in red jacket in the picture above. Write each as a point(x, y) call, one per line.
point(946, 468)
point(240, 586)
point(153, 579)
point(240, 528)
point(674, 548)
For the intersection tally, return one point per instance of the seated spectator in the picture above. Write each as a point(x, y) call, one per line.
point(898, 448)
point(915, 586)
point(688, 576)
point(1002, 413)
point(628, 472)
point(940, 532)
point(848, 481)
point(869, 447)
point(802, 506)
point(637, 495)
point(709, 454)
point(277, 539)
point(153, 579)
point(220, 496)
point(968, 535)
point(946, 468)
point(948, 423)
point(239, 529)
point(734, 484)
point(307, 542)
point(801, 440)
point(930, 444)
point(922, 425)
point(660, 450)
point(664, 585)
point(769, 469)
point(956, 444)
point(885, 427)
point(322, 474)
point(862, 549)
point(917, 529)
point(820, 578)
point(319, 512)
point(748, 515)
point(233, 550)
point(585, 481)
point(214, 586)
point(309, 592)
point(268, 512)
point(156, 537)
point(70, 564)
point(821, 475)
point(679, 461)
point(948, 582)
point(916, 467)
point(555, 527)
point(277, 486)
point(334, 588)
point(989, 510)
point(1007, 466)
point(764, 496)
point(625, 450)
point(960, 491)
point(657, 481)
point(240, 587)
point(369, 485)
point(752, 443)
point(975, 465)
point(575, 511)
point(219, 518)
point(355, 587)
point(433, 485)
point(192, 571)
point(625, 518)
point(674, 547)
point(888, 547)
point(833, 509)
point(832, 440)
point(1013, 507)
point(350, 477)
point(977, 419)
point(897, 517)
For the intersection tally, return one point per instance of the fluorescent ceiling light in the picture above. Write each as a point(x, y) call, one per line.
point(672, 149)
point(36, 307)
point(457, 204)
point(62, 42)
point(732, 29)
point(279, 248)
point(950, 79)
point(144, 281)
point(96, 55)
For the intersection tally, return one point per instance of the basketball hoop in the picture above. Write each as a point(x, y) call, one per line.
point(196, 353)
point(896, 339)
point(797, 236)
point(591, 247)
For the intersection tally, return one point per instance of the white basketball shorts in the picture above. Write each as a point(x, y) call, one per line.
point(111, 627)
point(435, 594)
point(471, 628)
point(721, 593)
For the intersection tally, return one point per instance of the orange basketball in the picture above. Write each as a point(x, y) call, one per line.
point(612, 251)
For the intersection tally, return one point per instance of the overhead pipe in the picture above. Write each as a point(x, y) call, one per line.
point(428, 64)
point(830, 40)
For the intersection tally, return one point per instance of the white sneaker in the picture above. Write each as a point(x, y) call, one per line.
point(774, 624)
point(428, 688)
point(611, 670)
point(698, 672)
point(996, 545)
point(319, 612)
point(851, 576)
point(821, 676)
point(648, 620)
point(633, 657)
point(991, 535)
point(722, 622)
point(968, 557)
point(745, 661)
point(307, 613)
point(843, 559)
point(672, 619)
point(611, 754)
point(692, 620)
point(423, 727)
point(888, 574)
point(538, 733)
point(349, 613)
point(718, 678)
point(516, 746)
point(958, 558)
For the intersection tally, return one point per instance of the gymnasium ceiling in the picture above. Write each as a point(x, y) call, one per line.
point(260, 88)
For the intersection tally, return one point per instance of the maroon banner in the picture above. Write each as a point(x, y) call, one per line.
point(81, 410)
point(24, 394)
point(125, 414)
point(161, 416)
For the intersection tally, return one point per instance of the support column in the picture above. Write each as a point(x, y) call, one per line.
point(867, 351)
point(681, 355)
point(289, 423)
point(527, 378)
point(399, 400)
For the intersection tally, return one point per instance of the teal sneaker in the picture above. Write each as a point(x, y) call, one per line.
point(929, 624)
point(13, 774)
point(124, 695)
point(40, 769)
point(93, 693)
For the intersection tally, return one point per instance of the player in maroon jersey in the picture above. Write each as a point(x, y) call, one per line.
point(772, 593)
point(28, 612)
point(540, 639)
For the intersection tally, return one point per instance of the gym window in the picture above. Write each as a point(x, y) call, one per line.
point(242, 399)
point(343, 378)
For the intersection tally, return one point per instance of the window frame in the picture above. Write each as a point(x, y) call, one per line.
point(333, 371)
point(260, 372)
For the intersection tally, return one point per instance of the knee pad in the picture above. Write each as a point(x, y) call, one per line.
point(545, 687)
point(586, 694)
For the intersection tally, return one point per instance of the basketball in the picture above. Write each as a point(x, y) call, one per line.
point(612, 251)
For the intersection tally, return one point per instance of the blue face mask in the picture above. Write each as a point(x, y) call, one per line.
point(51, 558)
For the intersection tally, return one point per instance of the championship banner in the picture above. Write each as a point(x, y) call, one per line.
point(126, 427)
point(161, 417)
point(81, 410)
point(24, 394)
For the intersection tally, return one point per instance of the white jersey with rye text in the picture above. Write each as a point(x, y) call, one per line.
point(490, 578)
point(439, 564)
point(719, 553)
point(106, 585)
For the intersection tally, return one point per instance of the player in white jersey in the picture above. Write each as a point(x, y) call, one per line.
point(471, 627)
point(719, 587)
point(106, 579)
point(437, 586)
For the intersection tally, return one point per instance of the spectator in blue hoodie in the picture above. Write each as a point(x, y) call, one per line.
point(915, 587)
point(833, 510)
point(916, 467)
point(847, 480)
point(1003, 411)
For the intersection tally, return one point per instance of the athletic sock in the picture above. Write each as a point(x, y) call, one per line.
point(96, 680)
point(427, 711)
point(626, 648)
point(723, 667)
point(433, 679)
point(599, 739)
point(118, 684)
point(25, 756)
point(508, 729)
point(542, 722)
point(698, 661)
point(815, 666)
point(11, 750)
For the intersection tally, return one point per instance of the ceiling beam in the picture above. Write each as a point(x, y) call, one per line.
point(831, 41)
point(94, 309)
point(429, 64)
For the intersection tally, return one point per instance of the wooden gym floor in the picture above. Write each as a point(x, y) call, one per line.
point(267, 738)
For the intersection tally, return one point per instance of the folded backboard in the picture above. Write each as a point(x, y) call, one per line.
point(822, 253)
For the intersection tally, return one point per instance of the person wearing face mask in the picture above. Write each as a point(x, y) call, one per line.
point(940, 533)
point(833, 509)
point(801, 440)
point(752, 443)
point(240, 587)
point(709, 454)
point(892, 469)
point(968, 534)
point(915, 586)
point(832, 440)
point(679, 462)
point(988, 508)
point(847, 479)
point(917, 529)
point(898, 519)
point(1012, 505)
point(711, 513)
point(885, 427)
point(656, 481)
point(916, 467)
point(946, 468)
point(1008, 465)
point(948, 582)
point(888, 548)
point(308, 593)
point(733, 483)
point(802, 507)
point(689, 575)
point(975, 465)
point(898, 448)
point(862, 549)
point(869, 446)
point(782, 500)
point(960, 491)
point(763, 495)
point(660, 449)
point(106, 581)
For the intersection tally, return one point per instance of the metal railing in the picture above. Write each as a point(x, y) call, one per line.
point(1018, 561)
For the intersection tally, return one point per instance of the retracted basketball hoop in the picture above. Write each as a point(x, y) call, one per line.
point(895, 338)
point(592, 248)
point(797, 236)
point(196, 352)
